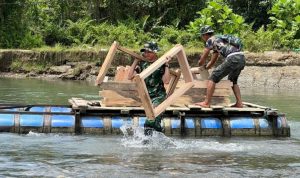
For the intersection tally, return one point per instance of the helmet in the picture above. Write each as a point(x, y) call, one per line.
point(150, 46)
point(206, 29)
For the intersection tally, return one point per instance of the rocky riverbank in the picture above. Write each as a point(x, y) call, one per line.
point(269, 69)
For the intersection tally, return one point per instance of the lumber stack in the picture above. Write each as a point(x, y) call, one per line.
point(119, 93)
point(123, 92)
point(198, 92)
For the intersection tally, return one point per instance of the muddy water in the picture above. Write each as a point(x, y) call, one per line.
point(60, 155)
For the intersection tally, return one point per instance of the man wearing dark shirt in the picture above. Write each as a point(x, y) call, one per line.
point(232, 66)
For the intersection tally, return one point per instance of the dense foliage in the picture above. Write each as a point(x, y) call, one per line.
point(262, 24)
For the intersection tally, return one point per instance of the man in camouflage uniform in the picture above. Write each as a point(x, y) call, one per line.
point(232, 66)
point(154, 82)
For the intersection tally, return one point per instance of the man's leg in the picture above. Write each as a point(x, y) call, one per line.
point(151, 125)
point(234, 75)
point(209, 93)
point(238, 97)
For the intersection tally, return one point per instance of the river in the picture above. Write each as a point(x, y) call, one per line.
point(61, 155)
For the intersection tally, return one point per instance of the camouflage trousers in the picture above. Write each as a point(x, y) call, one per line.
point(155, 124)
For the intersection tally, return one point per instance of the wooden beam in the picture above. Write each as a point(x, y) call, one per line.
point(221, 84)
point(184, 65)
point(160, 108)
point(118, 85)
point(107, 62)
point(202, 71)
point(175, 76)
point(159, 62)
point(131, 53)
point(145, 98)
point(113, 98)
point(151, 112)
point(122, 73)
point(255, 105)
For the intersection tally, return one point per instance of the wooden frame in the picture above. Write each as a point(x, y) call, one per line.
point(179, 52)
point(200, 70)
point(110, 56)
point(175, 76)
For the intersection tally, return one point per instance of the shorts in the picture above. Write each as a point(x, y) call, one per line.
point(232, 66)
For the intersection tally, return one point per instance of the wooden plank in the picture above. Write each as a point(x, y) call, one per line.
point(122, 73)
point(244, 109)
point(181, 108)
point(184, 66)
point(131, 53)
point(118, 85)
point(203, 84)
point(107, 62)
point(145, 98)
point(221, 84)
point(175, 76)
point(125, 94)
point(192, 106)
point(80, 102)
point(255, 105)
point(159, 62)
point(212, 107)
point(113, 98)
point(202, 71)
point(202, 91)
point(160, 108)
point(190, 99)
point(187, 76)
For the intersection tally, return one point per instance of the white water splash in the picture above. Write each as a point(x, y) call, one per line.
point(134, 138)
point(31, 133)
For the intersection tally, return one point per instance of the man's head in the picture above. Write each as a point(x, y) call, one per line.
point(149, 51)
point(206, 32)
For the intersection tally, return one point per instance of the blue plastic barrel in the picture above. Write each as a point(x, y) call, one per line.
point(117, 121)
point(61, 109)
point(7, 120)
point(62, 121)
point(38, 109)
point(263, 123)
point(242, 123)
point(31, 120)
point(175, 123)
point(211, 123)
point(189, 123)
point(92, 122)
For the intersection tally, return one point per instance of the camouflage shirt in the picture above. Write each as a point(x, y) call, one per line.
point(154, 82)
point(217, 44)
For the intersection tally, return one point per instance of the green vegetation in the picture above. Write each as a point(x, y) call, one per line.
point(94, 24)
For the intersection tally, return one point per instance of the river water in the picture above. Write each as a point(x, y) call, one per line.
point(61, 155)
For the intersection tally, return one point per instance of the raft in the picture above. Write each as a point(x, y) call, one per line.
point(80, 117)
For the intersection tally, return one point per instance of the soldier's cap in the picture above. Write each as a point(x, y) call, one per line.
point(205, 29)
point(150, 46)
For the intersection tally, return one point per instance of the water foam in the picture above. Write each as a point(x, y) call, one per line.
point(134, 138)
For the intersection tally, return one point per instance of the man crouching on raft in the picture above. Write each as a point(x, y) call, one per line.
point(155, 82)
point(232, 66)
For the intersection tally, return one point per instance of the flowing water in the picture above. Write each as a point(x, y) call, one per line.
point(61, 155)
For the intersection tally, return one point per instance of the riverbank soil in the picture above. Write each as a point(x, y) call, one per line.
point(270, 69)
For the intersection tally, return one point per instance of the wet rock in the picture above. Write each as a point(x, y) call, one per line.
point(59, 69)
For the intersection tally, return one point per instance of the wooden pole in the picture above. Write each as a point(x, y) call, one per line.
point(107, 62)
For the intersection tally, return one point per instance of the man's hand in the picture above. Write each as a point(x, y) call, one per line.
point(202, 68)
